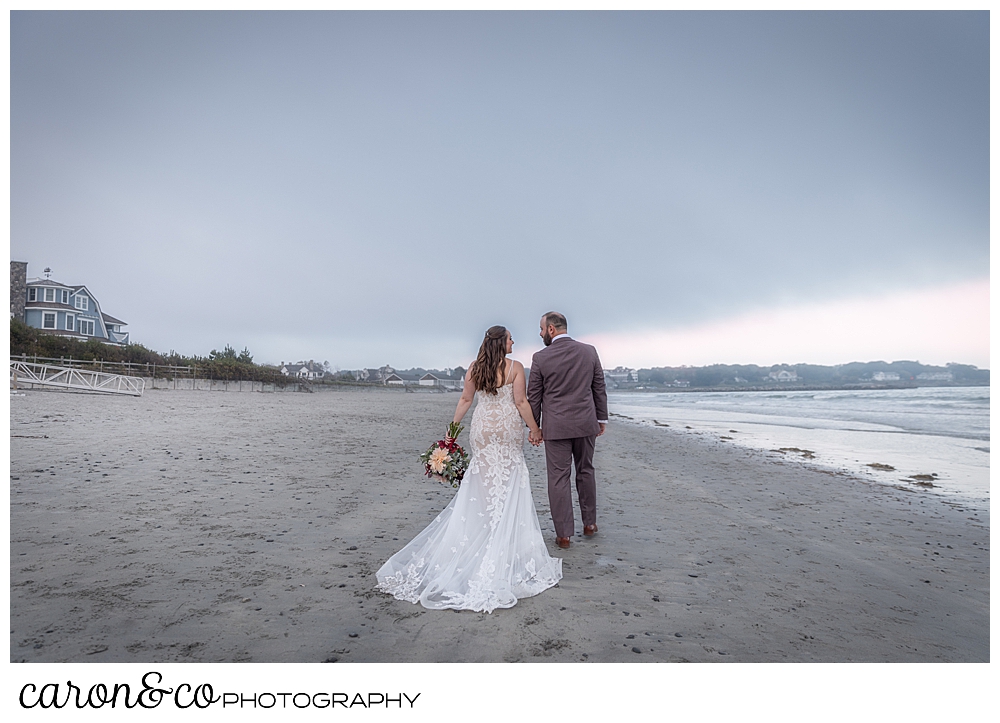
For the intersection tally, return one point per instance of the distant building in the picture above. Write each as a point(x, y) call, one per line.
point(783, 375)
point(620, 375)
point(62, 310)
point(936, 377)
point(441, 379)
point(680, 383)
point(373, 376)
point(303, 370)
point(885, 377)
point(402, 379)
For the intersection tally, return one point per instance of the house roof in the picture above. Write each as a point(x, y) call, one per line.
point(50, 305)
point(77, 288)
point(108, 319)
point(313, 367)
point(36, 281)
point(455, 374)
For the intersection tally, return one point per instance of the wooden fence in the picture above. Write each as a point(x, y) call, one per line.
point(132, 369)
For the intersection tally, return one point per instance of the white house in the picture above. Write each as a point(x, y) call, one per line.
point(303, 370)
point(621, 374)
point(936, 376)
point(885, 377)
point(374, 376)
point(783, 375)
point(437, 379)
point(399, 379)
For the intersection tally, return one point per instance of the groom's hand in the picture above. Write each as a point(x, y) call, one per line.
point(602, 430)
point(535, 437)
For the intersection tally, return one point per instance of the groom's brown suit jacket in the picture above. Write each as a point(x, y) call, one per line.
point(566, 390)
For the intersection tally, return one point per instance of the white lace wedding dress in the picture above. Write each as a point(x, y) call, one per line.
point(485, 550)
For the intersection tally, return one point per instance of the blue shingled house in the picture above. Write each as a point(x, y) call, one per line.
point(69, 311)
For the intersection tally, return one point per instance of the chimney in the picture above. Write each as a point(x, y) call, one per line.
point(18, 288)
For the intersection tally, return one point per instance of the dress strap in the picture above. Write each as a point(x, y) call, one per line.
point(507, 371)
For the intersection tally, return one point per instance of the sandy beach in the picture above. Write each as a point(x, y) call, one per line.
point(227, 527)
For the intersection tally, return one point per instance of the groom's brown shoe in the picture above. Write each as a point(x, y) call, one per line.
point(589, 530)
point(562, 542)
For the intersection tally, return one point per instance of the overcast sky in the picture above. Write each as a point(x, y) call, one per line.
point(372, 188)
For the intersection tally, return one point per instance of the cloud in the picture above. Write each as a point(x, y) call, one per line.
point(336, 185)
point(933, 326)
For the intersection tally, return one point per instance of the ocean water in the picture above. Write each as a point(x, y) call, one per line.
point(939, 431)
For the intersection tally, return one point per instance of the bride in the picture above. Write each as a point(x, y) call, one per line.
point(485, 550)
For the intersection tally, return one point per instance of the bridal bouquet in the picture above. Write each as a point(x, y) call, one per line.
point(445, 460)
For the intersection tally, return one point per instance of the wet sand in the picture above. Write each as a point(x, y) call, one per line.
point(226, 527)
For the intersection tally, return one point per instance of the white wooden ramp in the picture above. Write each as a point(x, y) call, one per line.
point(84, 380)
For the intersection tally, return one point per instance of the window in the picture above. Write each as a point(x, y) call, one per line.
point(86, 327)
point(32, 294)
point(64, 296)
point(70, 322)
point(50, 294)
point(80, 302)
point(48, 321)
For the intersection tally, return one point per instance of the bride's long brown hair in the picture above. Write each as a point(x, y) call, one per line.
point(492, 357)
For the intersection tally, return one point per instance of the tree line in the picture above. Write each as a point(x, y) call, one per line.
point(808, 374)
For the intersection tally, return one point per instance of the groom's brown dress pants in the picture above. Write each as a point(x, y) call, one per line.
point(560, 456)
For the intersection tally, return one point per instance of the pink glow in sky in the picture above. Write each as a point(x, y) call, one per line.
point(934, 326)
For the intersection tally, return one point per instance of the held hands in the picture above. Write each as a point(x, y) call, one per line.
point(535, 437)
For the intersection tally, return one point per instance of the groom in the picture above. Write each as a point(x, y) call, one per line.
point(567, 397)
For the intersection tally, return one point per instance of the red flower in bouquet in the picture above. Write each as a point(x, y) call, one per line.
point(445, 459)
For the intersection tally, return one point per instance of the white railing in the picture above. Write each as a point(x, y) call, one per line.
point(48, 375)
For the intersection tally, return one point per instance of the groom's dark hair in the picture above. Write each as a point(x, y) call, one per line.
point(555, 319)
